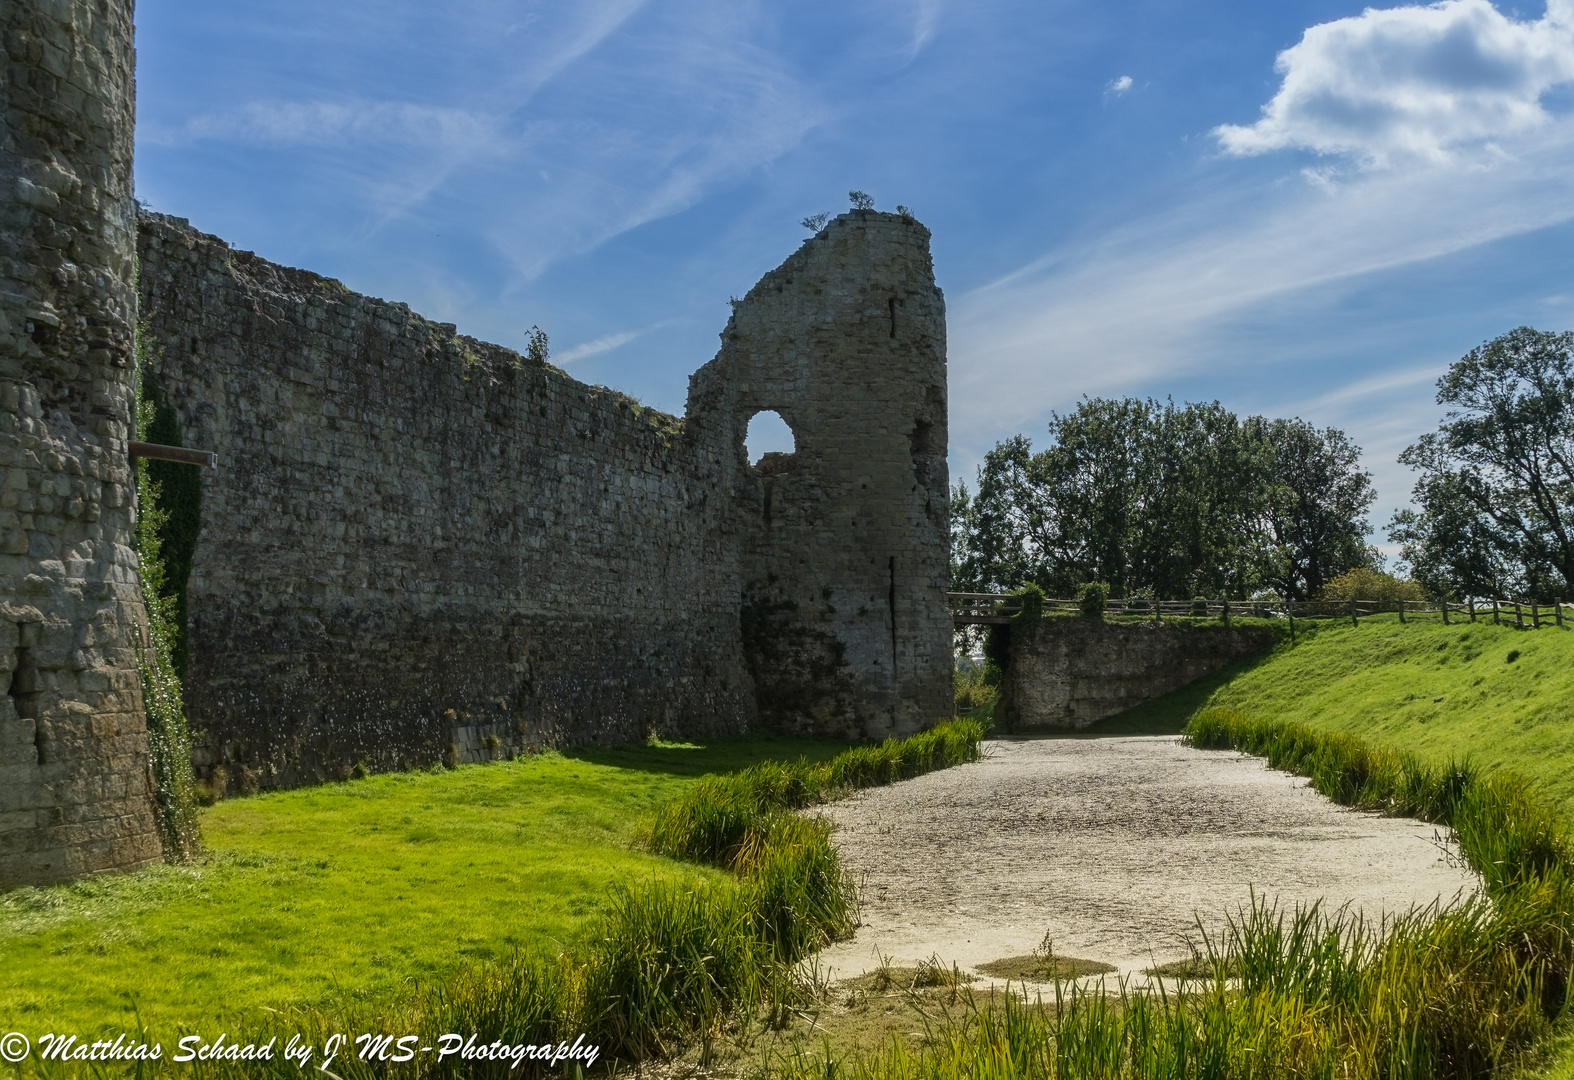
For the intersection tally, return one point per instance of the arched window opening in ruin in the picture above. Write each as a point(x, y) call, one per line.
point(770, 444)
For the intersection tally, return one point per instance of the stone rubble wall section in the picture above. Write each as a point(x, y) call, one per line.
point(1067, 673)
point(75, 792)
point(846, 544)
point(419, 546)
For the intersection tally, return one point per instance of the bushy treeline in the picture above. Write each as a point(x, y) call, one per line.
point(1165, 501)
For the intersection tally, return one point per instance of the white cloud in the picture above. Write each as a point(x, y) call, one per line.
point(926, 14)
point(1120, 85)
point(1398, 85)
point(597, 347)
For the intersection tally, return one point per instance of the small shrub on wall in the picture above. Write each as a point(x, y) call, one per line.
point(1093, 598)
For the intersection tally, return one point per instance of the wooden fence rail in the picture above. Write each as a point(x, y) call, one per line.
point(976, 609)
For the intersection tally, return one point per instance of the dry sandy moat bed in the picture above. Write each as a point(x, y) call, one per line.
point(1115, 847)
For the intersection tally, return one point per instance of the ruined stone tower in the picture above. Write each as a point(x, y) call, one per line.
point(75, 795)
point(844, 543)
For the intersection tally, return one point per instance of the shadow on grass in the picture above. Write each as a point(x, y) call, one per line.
point(719, 755)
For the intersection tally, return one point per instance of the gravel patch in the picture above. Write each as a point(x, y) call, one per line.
point(1116, 847)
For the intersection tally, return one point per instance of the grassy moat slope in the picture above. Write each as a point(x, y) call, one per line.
point(1500, 696)
point(352, 889)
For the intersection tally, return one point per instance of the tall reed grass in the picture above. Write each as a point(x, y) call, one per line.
point(723, 817)
point(1457, 990)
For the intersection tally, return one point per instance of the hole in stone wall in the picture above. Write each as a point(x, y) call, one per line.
point(770, 444)
point(927, 456)
point(24, 684)
point(24, 694)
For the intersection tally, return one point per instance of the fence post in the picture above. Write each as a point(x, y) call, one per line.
point(1290, 610)
point(1445, 611)
point(1496, 619)
point(1224, 611)
point(1557, 614)
point(1158, 610)
point(1519, 615)
point(1401, 611)
point(1472, 609)
point(1535, 616)
point(1352, 612)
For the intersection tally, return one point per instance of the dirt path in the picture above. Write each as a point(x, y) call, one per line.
point(1114, 846)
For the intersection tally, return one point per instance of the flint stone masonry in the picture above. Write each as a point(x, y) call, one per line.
point(75, 795)
point(1066, 673)
point(419, 546)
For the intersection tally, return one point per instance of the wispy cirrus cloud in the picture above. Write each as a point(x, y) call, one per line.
point(1144, 298)
point(604, 344)
point(335, 123)
point(593, 118)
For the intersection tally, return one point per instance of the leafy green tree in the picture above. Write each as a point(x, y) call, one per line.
point(1004, 539)
point(1209, 483)
point(1154, 499)
point(1317, 517)
point(1496, 493)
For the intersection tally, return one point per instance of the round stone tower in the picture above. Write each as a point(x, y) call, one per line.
point(75, 793)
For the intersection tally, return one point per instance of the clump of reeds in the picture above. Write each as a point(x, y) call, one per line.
point(672, 962)
point(722, 815)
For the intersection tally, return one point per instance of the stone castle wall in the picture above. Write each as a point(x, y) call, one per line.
point(1067, 673)
point(419, 545)
point(416, 539)
point(74, 773)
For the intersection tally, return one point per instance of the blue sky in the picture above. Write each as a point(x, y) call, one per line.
point(1297, 208)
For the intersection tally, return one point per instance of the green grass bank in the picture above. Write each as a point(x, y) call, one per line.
point(1502, 697)
point(348, 891)
point(653, 955)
